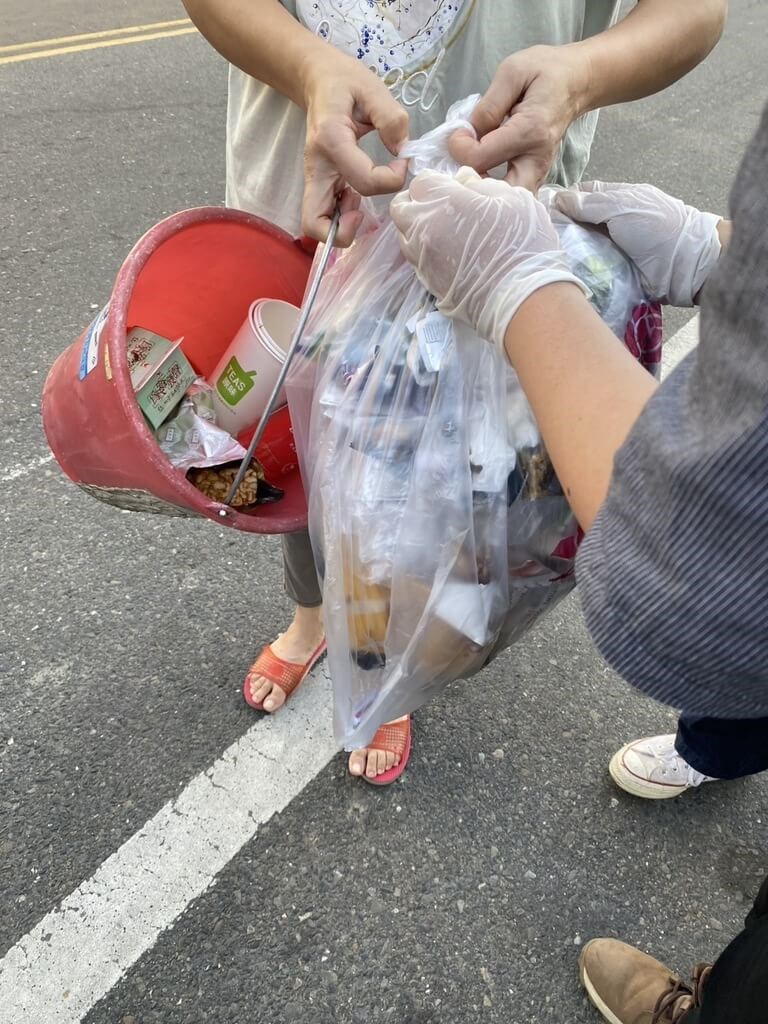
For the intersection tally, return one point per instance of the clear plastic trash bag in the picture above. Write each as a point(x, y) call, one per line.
point(440, 531)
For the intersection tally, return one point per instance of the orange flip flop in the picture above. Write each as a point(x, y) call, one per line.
point(394, 737)
point(288, 675)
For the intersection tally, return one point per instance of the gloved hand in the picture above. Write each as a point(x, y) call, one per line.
point(674, 246)
point(479, 245)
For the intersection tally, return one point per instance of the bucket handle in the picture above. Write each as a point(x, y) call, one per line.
point(298, 334)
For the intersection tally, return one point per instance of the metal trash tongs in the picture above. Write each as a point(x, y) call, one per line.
point(298, 335)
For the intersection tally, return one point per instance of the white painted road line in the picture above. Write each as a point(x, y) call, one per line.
point(78, 952)
point(14, 472)
point(680, 344)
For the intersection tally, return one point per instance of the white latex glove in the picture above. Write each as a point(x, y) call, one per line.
point(674, 246)
point(481, 246)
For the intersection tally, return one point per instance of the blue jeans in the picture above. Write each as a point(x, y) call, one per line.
point(724, 748)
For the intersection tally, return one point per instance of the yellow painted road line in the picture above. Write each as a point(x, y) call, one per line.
point(37, 54)
point(128, 30)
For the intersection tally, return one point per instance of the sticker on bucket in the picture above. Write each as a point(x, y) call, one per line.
point(90, 356)
point(235, 382)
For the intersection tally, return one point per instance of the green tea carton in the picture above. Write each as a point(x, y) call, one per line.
point(160, 373)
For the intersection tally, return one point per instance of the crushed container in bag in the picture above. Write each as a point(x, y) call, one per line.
point(440, 530)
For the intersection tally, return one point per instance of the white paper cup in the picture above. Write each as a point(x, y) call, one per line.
point(246, 374)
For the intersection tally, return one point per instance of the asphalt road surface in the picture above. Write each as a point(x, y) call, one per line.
point(166, 855)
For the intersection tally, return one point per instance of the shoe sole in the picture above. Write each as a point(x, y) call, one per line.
point(592, 994)
point(631, 784)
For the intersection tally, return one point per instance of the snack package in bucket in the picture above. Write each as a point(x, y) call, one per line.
point(440, 530)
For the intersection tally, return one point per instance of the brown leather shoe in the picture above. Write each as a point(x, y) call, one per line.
point(630, 987)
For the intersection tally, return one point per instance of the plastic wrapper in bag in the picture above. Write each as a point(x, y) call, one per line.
point(191, 437)
point(439, 527)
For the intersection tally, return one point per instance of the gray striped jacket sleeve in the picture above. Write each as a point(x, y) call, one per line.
point(673, 575)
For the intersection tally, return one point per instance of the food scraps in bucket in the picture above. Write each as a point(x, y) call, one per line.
point(215, 483)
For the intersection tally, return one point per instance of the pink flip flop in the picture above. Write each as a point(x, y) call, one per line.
point(396, 738)
point(288, 675)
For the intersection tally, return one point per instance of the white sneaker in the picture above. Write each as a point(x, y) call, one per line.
point(653, 769)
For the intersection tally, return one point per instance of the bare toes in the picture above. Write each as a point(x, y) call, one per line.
point(265, 692)
point(372, 769)
point(276, 698)
point(259, 688)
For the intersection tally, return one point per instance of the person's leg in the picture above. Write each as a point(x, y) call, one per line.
point(723, 748)
point(301, 639)
point(704, 749)
point(299, 571)
point(737, 988)
point(630, 987)
point(305, 631)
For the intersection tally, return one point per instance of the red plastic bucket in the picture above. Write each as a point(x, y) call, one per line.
point(194, 275)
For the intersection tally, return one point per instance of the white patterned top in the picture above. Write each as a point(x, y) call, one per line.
point(429, 52)
point(388, 35)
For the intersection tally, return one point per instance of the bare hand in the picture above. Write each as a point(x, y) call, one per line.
point(533, 99)
point(345, 101)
